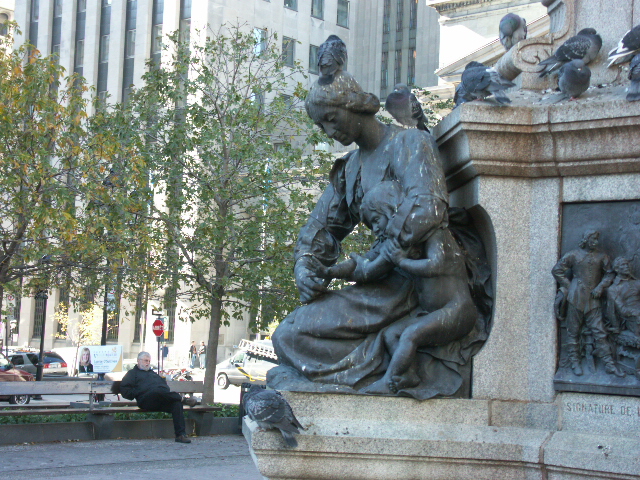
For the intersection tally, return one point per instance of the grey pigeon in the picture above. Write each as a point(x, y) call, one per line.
point(633, 93)
point(332, 55)
point(574, 79)
point(405, 107)
point(460, 95)
point(584, 46)
point(270, 410)
point(513, 28)
point(628, 46)
point(480, 81)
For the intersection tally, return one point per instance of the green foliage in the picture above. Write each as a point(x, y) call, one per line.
point(227, 410)
point(230, 151)
point(434, 108)
point(63, 225)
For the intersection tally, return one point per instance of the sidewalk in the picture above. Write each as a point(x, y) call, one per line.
point(218, 458)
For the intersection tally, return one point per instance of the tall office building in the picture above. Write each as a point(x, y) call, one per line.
point(109, 41)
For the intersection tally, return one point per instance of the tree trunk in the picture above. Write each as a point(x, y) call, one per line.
point(4, 319)
point(212, 348)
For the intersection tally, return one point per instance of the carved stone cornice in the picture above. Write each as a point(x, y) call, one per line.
point(525, 56)
point(447, 7)
point(533, 140)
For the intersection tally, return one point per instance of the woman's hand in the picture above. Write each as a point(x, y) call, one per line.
point(308, 280)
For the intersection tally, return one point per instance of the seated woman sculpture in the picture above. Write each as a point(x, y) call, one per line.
point(336, 340)
point(445, 310)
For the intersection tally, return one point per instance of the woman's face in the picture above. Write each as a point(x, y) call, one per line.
point(85, 357)
point(338, 123)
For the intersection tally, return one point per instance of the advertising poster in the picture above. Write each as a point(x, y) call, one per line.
point(100, 359)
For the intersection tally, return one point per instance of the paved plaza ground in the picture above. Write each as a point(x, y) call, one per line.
point(223, 457)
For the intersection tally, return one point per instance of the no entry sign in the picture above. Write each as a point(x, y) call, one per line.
point(158, 327)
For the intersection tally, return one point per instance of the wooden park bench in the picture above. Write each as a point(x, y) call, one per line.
point(100, 414)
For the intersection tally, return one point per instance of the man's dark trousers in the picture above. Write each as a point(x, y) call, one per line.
point(169, 402)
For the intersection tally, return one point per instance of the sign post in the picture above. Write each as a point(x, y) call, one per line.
point(158, 330)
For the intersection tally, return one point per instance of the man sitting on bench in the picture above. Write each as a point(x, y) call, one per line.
point(152, 393)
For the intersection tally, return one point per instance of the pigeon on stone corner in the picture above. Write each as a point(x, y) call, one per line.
point(584, 46)
point(633, 93)
point(627, 48)
point(405, 108)
point(573, 80)
point(480, 81)
point(332, 55)
point(460, 95)
point(270, 410)
point(513, 28)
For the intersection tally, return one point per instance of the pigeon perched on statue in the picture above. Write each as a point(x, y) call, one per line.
point(627, 48)
point(633, 93)
point(270, 410)
point(480, 81)
point(584, 46)
point(332, 55)
point(513, 28)
point(405, 108)
point(573, 80)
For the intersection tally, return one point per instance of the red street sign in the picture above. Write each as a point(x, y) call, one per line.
point(158, 327)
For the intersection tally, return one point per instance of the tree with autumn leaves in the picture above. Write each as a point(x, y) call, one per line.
point(61, 225)
point(232, 164)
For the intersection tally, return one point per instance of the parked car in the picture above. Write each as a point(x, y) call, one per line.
point(54, 364)
point(249, 365)
point(8, 373)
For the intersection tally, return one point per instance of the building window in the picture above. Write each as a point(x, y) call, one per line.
point(399, 15)
point(55, 52)
point(343, 13)
point(113, 315)
point(384, 70)
point(82, 5)
point(386, 17)
point(131, 43)
point(185, 31)
point(39, 315)
point(313, 59)
point(288, 51)
point(398, 67)
point(156, 39)
point(292, 4)
point(139, 315)
point(413, 14)
point(185, 9)
point(411, 67)
point(317, 8)
point(4, 18)
point(104, 49)
point(57, 8)
point(170, 304)
point(79, 53)
point(106, 3)
point(260, 38)
point(257, 99)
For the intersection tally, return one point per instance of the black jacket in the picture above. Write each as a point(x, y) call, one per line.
point(138, 383)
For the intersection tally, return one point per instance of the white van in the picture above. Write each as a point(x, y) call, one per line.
point(249, 364)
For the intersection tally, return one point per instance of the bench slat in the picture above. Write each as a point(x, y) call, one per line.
point(96, 411)
point(83, 387)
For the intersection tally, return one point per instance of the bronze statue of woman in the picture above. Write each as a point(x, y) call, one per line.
point(336, 340)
